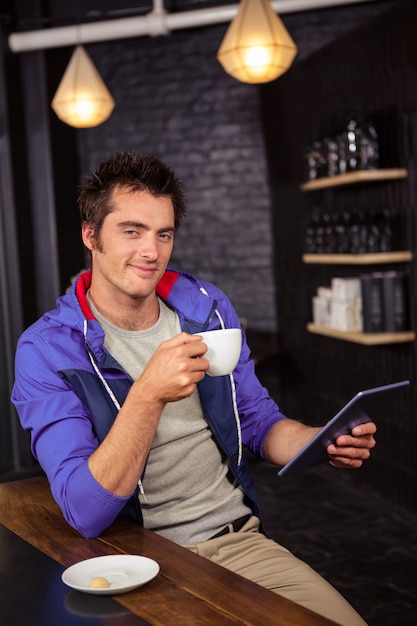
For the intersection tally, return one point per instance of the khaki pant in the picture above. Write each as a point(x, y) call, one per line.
point(254, 556)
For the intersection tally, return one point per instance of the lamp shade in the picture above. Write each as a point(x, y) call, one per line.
point(82, 99)
point(257, 48)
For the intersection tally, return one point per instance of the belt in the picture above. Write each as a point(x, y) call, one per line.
point(234, 527)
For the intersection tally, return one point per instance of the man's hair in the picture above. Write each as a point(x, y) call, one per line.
point(133, 172)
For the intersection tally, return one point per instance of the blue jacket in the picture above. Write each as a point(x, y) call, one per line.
point(68, 386)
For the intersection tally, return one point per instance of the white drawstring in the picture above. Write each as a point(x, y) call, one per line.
point(108, 389)
point(233, 387)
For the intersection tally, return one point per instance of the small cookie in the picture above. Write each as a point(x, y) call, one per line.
point(99, 582)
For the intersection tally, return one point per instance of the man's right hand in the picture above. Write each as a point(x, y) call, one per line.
point(175, 368)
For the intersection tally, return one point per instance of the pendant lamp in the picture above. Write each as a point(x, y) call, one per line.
point(257, 48)
point(82, 99)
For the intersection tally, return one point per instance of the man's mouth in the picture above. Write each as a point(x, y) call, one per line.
point(144, 270)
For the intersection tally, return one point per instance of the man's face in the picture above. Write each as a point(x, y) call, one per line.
point(134, 245)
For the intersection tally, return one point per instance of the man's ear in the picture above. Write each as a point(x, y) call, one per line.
point(87, 233)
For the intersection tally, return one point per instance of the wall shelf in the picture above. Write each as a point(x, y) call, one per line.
point(352, 178)
point(376, 258)
point(366, 339)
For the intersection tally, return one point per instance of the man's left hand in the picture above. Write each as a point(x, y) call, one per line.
point(350, 451)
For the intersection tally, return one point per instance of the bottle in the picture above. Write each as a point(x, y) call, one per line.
point(341, 233)
point(385, 231)
point(318, 232)
point(328, 234)
point(369, 146)
point(332, 155)
point(342, 153)
point(355, 233)
point(373, 241)
point(353, 145)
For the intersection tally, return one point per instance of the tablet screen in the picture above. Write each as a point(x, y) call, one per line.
point(362, 408)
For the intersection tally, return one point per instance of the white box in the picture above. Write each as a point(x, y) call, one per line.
point(324, 292)
point(346, 288)
point(321, 311)
point(346, 315)
point(342, 315)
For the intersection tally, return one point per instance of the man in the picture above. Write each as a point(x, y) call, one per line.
point(111, 386)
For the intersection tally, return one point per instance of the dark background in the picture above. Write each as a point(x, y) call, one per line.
point(239, 149)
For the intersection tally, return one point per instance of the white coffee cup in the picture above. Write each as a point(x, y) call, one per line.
point(224, 347)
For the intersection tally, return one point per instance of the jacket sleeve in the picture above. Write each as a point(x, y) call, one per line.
point(62, 438)
point(258, 412)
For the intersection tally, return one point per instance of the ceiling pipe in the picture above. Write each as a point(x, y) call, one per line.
point(156, 22)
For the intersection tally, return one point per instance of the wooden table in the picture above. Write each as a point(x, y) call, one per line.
point(189, 590)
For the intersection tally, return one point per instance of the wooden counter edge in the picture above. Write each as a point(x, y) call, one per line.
point(28, 509)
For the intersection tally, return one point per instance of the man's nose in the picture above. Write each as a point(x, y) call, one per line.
point(149, 247)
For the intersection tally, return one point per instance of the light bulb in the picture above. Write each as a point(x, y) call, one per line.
point(257, 58)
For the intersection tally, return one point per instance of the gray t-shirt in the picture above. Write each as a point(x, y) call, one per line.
point(190, 494)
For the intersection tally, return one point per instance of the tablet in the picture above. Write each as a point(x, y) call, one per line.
point(362, 408)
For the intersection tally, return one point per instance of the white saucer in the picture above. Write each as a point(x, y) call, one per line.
point(123, 571)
